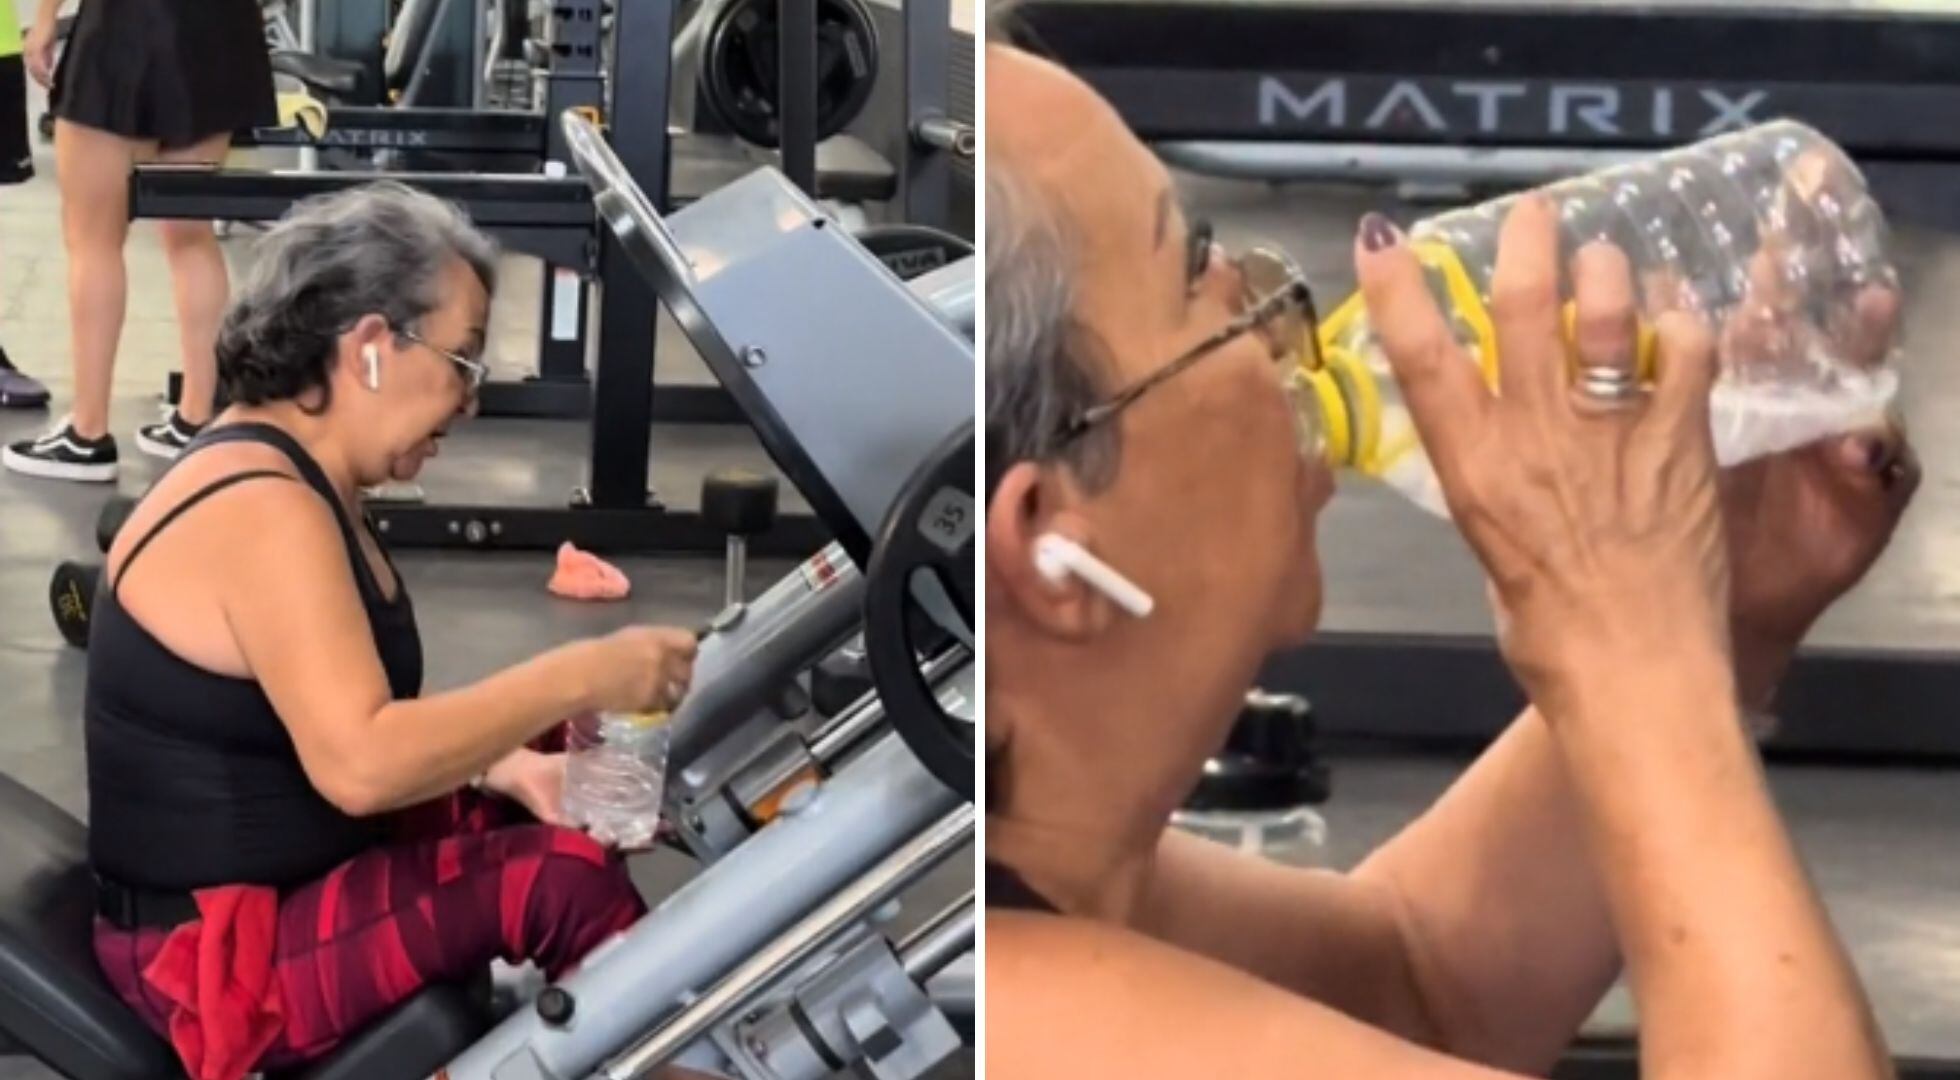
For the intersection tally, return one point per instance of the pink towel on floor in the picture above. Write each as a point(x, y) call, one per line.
point(582, 575)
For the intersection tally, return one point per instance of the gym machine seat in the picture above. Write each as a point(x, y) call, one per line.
point(55, 1005)
point(323, 76)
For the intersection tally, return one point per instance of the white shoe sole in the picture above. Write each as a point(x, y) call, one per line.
point(57, 470)
point(164, 450)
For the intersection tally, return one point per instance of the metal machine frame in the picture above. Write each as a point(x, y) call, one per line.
point(770, 964)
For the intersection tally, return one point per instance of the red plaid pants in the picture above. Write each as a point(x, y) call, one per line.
point(388, 922)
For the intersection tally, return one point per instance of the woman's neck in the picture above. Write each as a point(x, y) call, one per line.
point(1090, 771)
point(315, 435)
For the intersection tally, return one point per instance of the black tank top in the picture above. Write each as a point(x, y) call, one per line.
point(193, 780)
point(1008, 889)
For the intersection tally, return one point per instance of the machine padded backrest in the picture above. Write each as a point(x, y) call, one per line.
point(849, 378)
point(53, 1000)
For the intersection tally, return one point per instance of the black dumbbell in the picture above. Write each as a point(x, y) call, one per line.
point(740, 503)
point(71, 596)
point(115, 514)
point(1269, 762)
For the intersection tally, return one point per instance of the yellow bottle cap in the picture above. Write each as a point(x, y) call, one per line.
point(653, 718)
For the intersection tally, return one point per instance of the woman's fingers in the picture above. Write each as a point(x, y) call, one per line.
point(1605, 323)
point(1443, 389)
point(1874, 323)
point(1684, 359)
point(1525, 306)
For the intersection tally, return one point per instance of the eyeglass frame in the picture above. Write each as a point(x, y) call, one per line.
point(475, 372)
point(1294, 291)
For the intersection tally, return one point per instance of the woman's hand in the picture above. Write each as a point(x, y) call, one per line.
point(638, 669)
point(38, 50)
point(1804, 527)
point(532, 780)
point(1598, 524)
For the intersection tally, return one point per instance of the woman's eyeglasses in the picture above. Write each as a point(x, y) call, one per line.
point(1278, 306)
point(474, 372)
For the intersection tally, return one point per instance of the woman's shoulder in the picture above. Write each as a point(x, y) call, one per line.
point(227, 489)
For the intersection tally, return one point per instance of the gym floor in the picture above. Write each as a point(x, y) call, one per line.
point(1877, 840)
point(494, 607)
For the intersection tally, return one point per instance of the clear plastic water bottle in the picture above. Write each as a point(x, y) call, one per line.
point(615, 774)
point(1770, 233)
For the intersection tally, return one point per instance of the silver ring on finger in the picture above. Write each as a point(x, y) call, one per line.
point(1609, 384)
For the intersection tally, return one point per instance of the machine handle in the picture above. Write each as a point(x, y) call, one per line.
point(619, 200)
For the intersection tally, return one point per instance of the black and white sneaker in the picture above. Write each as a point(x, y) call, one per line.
point(167, 438)
point(62, 454)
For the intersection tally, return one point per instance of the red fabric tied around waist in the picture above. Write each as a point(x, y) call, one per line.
point(217, 973)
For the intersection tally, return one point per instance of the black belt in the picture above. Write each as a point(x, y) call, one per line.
point(129, 908)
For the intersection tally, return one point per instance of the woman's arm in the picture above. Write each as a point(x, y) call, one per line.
point(1600, 528)
point(1072, 999)
point(37, 50)
point(297, 617)
point(1480, 929)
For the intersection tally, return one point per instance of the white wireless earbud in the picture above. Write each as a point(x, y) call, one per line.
point(1056, 557)
point(373, 357)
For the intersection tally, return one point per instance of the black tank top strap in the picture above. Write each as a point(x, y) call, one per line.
point(314, 477)
point(1007, 889)
point(177, 511)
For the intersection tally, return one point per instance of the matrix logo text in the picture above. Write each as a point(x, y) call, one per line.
point(1488, 107)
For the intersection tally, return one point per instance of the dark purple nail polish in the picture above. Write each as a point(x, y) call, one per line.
point(1874, 454)
point(1378, 233)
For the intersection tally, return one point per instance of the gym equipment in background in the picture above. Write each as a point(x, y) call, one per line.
point(549, 215)
point(1518, 94)
point(741, 43)
point(780, 959)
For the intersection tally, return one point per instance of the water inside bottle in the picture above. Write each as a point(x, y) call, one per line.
point(615, 775)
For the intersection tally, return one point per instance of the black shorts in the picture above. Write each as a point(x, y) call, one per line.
point(16, 155)
point(173, 71)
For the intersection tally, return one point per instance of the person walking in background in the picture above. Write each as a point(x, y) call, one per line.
point(139, 81)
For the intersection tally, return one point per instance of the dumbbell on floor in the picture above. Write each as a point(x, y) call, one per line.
point(71, 596)
point(115, 514)
point(740, 503)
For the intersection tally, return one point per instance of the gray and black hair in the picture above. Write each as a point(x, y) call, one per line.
point(377, 249)
point(1042, 364)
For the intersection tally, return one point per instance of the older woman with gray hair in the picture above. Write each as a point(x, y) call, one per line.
point(1138, 427)
point(278, 817)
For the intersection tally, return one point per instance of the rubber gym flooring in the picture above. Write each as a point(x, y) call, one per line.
point(1878, 840)
point(478, 611)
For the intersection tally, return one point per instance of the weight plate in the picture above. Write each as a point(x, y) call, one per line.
point(739, 66)
point(931, 529)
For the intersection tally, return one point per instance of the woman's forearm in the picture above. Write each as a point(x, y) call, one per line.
point(49, 10)
point(421, 748)
point(1734, 965)
point(1502, 923)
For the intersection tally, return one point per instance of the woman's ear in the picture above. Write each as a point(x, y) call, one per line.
point(1029, 503)
point(369, 334)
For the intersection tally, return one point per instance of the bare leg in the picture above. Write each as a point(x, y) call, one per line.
point(92, 168)
point(203, 287)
